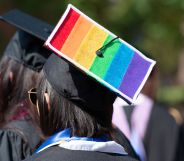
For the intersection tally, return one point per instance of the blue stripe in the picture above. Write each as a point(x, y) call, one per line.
point(119, 65)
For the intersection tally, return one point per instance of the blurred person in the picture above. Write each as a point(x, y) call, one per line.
point(23, 58)
point(152, 131)
point(75, 115)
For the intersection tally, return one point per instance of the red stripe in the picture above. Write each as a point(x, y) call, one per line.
point(64, 30)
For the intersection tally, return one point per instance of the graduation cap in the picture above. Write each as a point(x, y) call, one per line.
point(82, 91)
point(100, 54)
point(26, 46)
point(74, 85)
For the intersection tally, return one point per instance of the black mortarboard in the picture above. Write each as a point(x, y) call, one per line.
point(76, 86)
point(100, 54)
point(27, 23)
point(26, 46)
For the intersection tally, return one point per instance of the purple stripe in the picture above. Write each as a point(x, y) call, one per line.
point(134, 75)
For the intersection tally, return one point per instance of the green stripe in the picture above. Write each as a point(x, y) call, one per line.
point(101, 64)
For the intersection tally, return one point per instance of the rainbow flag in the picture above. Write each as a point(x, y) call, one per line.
point(120, 67)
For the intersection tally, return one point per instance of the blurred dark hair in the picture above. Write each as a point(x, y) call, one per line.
point(15, 81)
point(62, 114)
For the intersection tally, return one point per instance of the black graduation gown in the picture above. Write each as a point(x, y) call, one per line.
point(179, 155)
point(161, 136)
point(18, 140)
point(56, 153)
point(120, 138)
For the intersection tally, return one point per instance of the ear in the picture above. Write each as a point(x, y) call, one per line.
point(37, 108)
point(47, 100)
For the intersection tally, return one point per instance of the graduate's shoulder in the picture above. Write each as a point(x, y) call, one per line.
point(56, 153)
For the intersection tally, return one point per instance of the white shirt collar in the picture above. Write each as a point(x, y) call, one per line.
point(108, 147)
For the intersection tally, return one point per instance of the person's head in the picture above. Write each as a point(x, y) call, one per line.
point(74, 101)
point(19, 70)
point(13, 88)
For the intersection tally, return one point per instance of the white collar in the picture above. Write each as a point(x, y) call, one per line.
point(108, 147)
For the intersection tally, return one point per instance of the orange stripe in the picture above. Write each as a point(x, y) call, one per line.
point(76, 36)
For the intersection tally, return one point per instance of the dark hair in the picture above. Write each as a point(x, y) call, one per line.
point(62, 114)
point(15, 81)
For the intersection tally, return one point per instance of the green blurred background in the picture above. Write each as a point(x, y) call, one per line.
point(153, 26)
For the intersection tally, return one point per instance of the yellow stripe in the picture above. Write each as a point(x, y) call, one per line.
point(76, 36)
point(86, 53)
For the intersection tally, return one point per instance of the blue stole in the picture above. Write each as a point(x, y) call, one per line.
point(65, 136)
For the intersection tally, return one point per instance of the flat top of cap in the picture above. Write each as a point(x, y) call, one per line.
point(27, 23)
point(100, 54)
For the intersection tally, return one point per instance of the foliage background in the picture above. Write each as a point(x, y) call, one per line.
point(153, 26)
